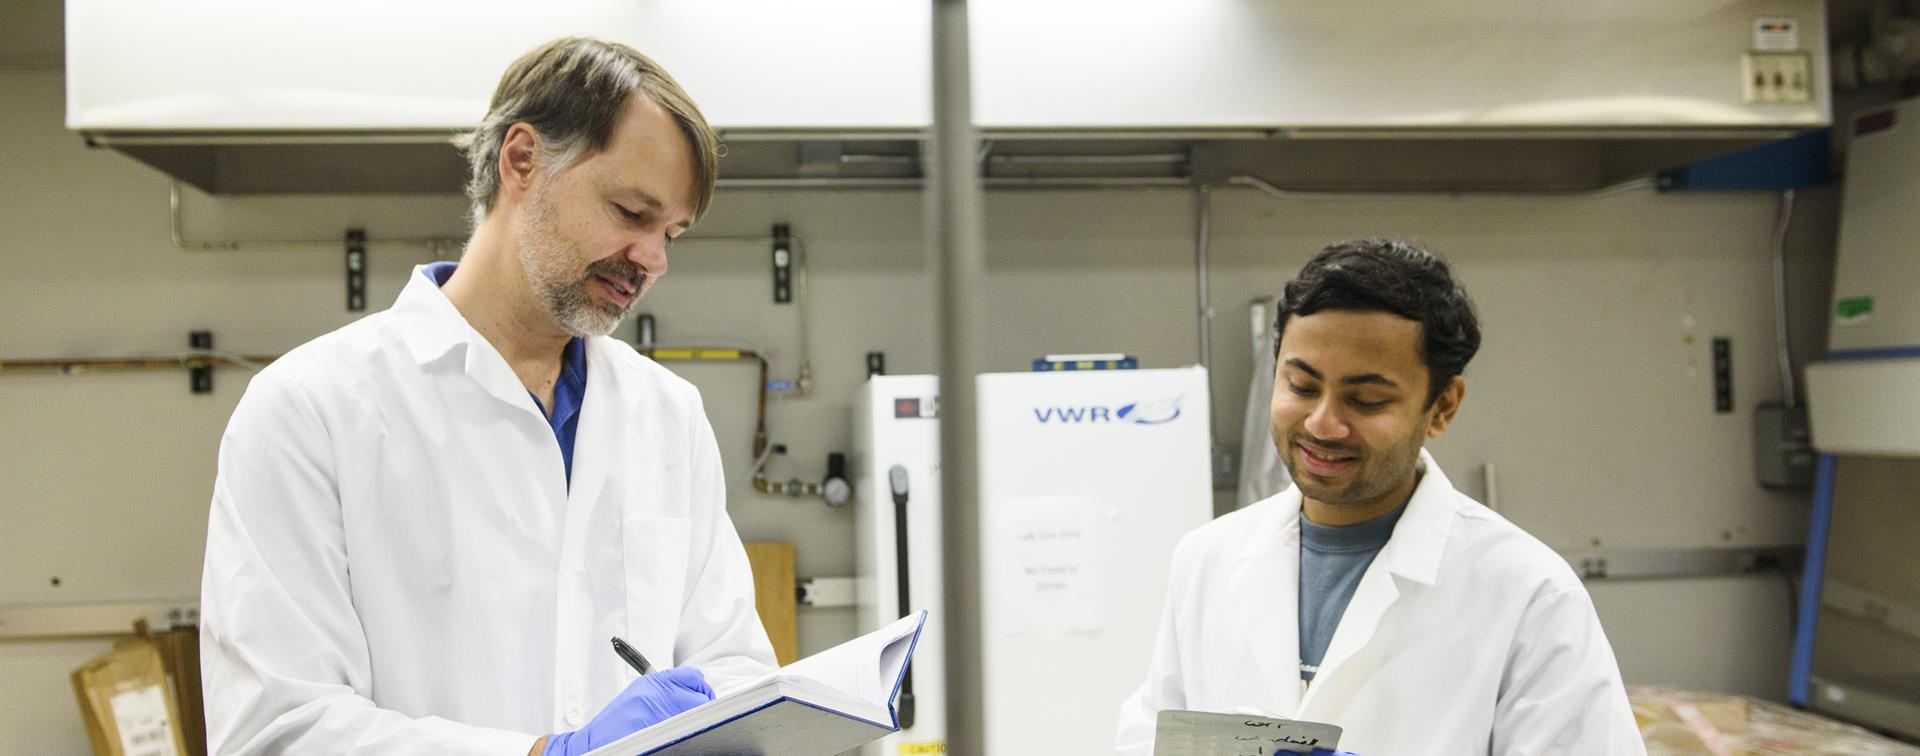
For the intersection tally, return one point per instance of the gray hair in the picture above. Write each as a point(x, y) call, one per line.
point(571, 91)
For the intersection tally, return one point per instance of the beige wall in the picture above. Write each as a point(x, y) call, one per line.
point(1588, 396)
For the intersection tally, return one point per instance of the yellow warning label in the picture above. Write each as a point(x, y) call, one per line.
point(927, 748)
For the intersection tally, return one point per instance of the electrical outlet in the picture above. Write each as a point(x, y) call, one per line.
point(1778, 77)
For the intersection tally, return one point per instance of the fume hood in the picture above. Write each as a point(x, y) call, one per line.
point(233, 96)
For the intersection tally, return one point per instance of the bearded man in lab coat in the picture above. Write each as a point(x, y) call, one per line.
point(427, 525)
point(1371, 594)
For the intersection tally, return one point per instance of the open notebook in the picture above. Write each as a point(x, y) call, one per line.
point(832, 701)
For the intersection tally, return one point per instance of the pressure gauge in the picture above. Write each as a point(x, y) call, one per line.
point(836, 491)
point(834, 488)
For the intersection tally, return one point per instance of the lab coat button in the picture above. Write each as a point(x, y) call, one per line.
point(574, 717)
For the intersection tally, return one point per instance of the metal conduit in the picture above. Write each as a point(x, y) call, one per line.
point(1275, 192)
point(954, 216)
point(1169, 157)
point(436, 244)
point(442, 246)
point(71, 365)
point(1782, 343)
point(1203, 300)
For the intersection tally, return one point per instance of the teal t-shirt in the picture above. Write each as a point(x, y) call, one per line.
point(1332, 559)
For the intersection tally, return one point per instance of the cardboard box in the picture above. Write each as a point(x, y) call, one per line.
point(129, 703)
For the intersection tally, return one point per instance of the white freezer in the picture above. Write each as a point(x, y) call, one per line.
point(1087, 481)
point(894, 425)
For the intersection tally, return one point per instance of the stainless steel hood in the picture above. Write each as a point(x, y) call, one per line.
point(233, 96)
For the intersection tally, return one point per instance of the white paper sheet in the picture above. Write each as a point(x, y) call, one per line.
point(1050, 570)
point(140, 716)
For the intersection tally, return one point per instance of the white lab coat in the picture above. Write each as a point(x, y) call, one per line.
point(1465, 636)
point(396, 564)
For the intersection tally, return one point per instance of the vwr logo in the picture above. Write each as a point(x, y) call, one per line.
point(1138, 413)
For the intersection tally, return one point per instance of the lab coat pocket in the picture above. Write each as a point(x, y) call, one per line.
point(656, 553)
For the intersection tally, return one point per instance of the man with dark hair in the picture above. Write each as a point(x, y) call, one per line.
point(427, 525)
point(1371, 594)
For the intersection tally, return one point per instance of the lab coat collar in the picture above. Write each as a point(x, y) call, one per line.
point(433, 328)
point(1269, 576)
point(428, 321)
point(1420, 539)
point(1270, 568)
point(1412, 556)
point(600, 415)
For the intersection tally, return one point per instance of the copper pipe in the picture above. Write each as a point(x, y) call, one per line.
point(81, 364)
point(723, 354)
point(760, 482)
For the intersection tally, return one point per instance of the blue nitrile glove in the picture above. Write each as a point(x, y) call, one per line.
point(648, 700)
point(1325, 752)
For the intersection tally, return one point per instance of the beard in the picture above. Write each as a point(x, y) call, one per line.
point(1379, 473)
point(548, 260)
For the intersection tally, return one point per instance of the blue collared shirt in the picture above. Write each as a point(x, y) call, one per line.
point(568, 391)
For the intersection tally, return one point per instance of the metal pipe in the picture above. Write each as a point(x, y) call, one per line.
point(1275, 192)
point(1782, 343)
point(803, 304)
point(185, 359)
point(435, 244)
point(1203, 299)
point(762, 449)
point(1083, 182)
point(808, 135)
point(1489, 487)
point(439, 246)
point(694, 237)
point(995, 182)
point(955, 224)
point(852, 158)
point(916, 135)
point(1170, 157)
point(1202, 219)
point(234, 139)
point(821, 182)
point(1469, 132)
point(1160, 135)
point(445, 136)
point(803, 299)
point(724, 354)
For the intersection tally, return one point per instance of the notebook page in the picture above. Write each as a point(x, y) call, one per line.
point(864, 667)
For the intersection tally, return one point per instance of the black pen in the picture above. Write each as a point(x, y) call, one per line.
point(632, 656)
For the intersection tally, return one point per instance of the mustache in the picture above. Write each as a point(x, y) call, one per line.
point(1331, 446)
point(623, 271)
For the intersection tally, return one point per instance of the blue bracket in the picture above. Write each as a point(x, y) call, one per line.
point(1801, 678)
point(1874, 353)
point(1796, 162)
point(1048, 365)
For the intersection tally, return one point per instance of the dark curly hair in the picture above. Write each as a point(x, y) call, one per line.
point(1397, 277)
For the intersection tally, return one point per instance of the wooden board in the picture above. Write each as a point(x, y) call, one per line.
point(774, 597)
